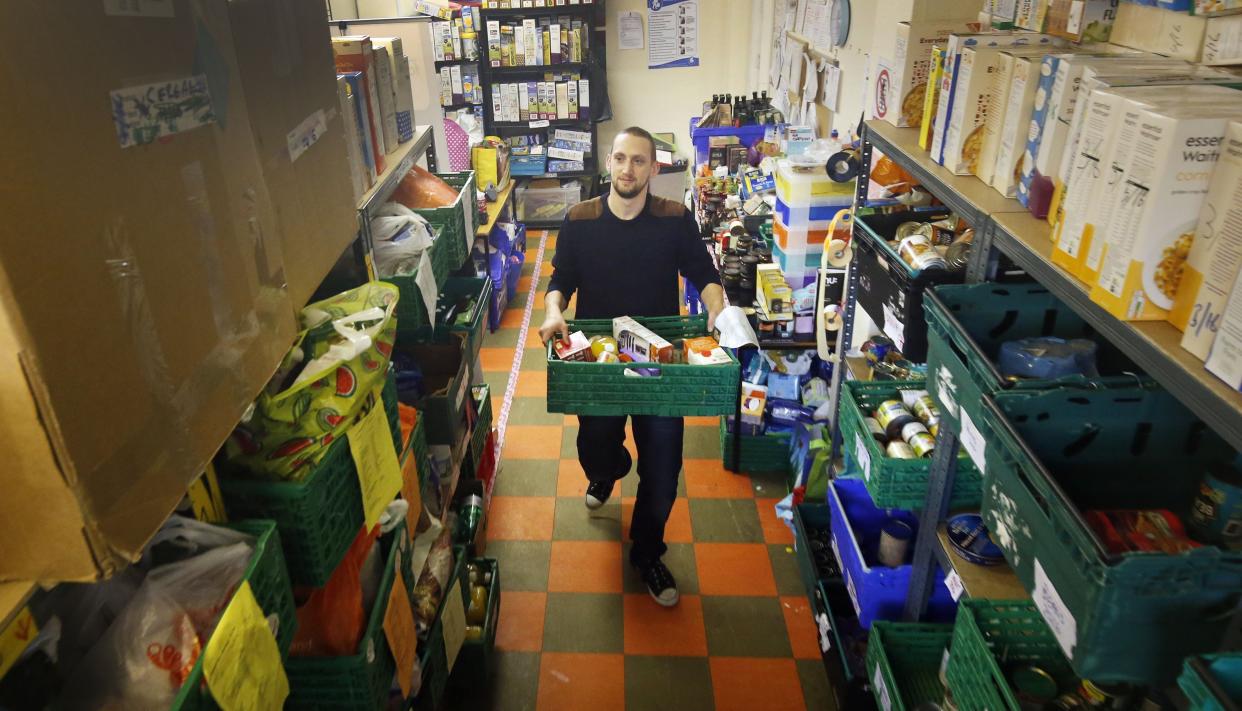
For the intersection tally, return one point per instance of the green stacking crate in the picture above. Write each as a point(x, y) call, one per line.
point(318, 516)
point(455, 221)
point(809, 517)
point(269, 579)
point(476, 661)
point(432, 655)
point(990, 639)
point(680, 390)
point(418, 448)
point(411, 311)
point(895, 483)
point(763, 453)
point(446, 384)
point(360, 680)
point(480, 289)
point(968, 323)
point(1210, 680)
point(1054, 453)
point(903, 663)
point(482, 395)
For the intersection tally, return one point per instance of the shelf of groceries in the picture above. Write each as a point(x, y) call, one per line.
point(397, 165)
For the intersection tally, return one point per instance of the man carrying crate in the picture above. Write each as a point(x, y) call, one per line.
point(622, 253)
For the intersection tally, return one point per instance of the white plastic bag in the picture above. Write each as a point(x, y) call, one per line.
point(399, 235)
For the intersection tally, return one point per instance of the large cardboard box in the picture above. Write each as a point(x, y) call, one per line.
point(142, 298)
point(288, 72)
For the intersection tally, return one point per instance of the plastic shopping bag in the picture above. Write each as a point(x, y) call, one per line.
point(321, 386)
point(400, 237)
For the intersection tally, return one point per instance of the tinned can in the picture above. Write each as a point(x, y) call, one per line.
point(892, 416)
point(922, 443)
point(877, 432)
point(912, 429)
point(900, 450)
point(925, 409)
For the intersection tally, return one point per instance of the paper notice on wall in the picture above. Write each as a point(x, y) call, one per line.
point(629, 30)
point(817, 25)
point(830, 91)
point(672, 33)
point(810, 80)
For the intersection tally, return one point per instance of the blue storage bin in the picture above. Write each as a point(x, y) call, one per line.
point(514, 272)
point(878, 592)
point(528, 165)
point(826, 209)
point(701, 137)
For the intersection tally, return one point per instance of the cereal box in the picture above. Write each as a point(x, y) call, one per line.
point(963, 143)
point(914, 43)
point(1016, 127)
point(998, 108)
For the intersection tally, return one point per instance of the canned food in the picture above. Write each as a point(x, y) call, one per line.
point(929, 260)
point(922, 443)
point(913, 245)
point(925, 409)
point(1033, 685)
point(892, 416)
point(912, 429)
point(906, 229)
point(875, 429)
point(900, 450)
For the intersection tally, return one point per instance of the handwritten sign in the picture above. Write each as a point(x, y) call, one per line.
point(953, 582)
point(412, 492)
point(242, 662)
point(453, 620)
point(375, 459)
point(863, 457)
point(973, 442)
point(402, 637)
point(1054, 611)
point(145, 113)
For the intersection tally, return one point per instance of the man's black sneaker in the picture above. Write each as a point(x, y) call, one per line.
point(597, 493)
point(660, 583)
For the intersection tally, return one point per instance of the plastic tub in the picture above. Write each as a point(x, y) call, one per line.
point(701, 137)
point(903, 663)
point(800, 237)
point(817, 209)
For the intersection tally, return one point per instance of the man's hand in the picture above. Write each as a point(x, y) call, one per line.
point(711, 319)
point(553, 324)
point(713, 298)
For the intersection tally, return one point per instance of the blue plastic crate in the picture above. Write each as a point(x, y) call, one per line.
point(878, 592)
point(701, 137)
point(822, 208)
point(514, 273)
point(528, 165)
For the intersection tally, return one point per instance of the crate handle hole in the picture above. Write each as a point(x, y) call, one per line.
point(1084, 440)
point(1005, 324)
point(1141, 434)
point(1050, 322)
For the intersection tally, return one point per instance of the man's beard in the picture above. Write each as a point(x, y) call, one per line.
point(638, 189)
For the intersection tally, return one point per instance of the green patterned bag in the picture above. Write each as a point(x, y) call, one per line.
point(345, 344)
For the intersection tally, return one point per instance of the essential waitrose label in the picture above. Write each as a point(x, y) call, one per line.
point(145, 113)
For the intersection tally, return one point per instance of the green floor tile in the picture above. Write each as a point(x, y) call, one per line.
point(680, 562)
point(785, 570)
point(504, 338)
point(629, 485)
point(725, 521)
point(518, 301)
point(528, 267)
point(745, 627)
point(575, 522)
point(514, 685)
point(526, 477)
point(497, 381)
point(582, 622)
point(668, 684)
point(543, 280)
point(532, 411)
point(770, 485)
point(815, 689)
point(569, 442)
point(525, 564)
point(535, 358)
point(702, 443)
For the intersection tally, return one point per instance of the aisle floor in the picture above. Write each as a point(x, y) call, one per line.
point(577, 628)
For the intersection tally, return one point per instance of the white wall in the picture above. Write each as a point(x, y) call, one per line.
point(663, 100)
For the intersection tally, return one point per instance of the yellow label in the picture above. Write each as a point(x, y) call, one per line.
point(242, 662)
point(1058, 191)
point(453, 620)
point(14, 639)
point(205, 497)
point(375, 459)
point(1131, 304)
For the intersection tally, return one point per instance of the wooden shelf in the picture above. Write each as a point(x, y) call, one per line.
point(494, 209)
point(993, 582)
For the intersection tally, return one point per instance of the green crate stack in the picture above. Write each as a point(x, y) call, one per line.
point(1225, 672)
point(1056, 453)
point(432, 655)
point(680, 390)
point(990, 639)
point(455, 221)
point(482, 395)
point(968, 323)
point(418, 448)
point(269, 579)
point(476, 661)
point(361, 680)
point(411, 311)
point(455, 288)
point(318, 516)
point(903, 663)
point(805, 517)
point(763, 453)
point(895, 483)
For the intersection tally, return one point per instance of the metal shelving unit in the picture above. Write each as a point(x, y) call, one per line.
point(397, 163)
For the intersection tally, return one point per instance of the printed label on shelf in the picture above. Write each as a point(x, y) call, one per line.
point(893, 328)
point(863, 457)
point(145, 113)
point(943, 386)
point(242, 662)
point(306, 134)
point(1055, 613)
point(953, 582)
point(14, 639)
point(540, 124)
point(400, 633)
point(139, 8)
point(375, 458)
point(881, 690)
point(973, 442)
point(825, 632)
point(425, 278)
point(453, 620)
point(849, 585)
point(566, 154)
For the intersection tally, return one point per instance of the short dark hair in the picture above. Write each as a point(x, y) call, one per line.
point(638, 132)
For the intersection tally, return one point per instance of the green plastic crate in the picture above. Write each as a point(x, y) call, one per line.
point(903, 663)
point(968, 323)
point(361, 680)
point(990, 639)
point(446, 383)
point(318, 516)
point(457, 220)
point(1211, 680)
point(432, 655)
point(680, 390)
point(895, 483)
point(482, 395)
point(763, 453)
point(805, 517)
point(411, 311)
point(1134, 616)
point(269, 579)
point(480, 289)
point(418, 448)
point(476, 661)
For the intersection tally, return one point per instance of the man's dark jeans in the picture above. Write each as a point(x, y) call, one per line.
point(601, 450)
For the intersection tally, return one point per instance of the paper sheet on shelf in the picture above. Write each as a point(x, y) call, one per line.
point(426, 280)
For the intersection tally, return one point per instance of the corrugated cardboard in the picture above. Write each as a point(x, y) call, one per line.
point(285, 58)
point(142, 300)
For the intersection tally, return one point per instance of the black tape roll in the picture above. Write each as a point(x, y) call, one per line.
point(844, 166)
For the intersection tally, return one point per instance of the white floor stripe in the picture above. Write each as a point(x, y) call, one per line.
point(503, 420)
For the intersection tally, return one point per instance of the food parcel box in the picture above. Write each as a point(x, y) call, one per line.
point(142, 299)
point(908, 90)
point(288, 74)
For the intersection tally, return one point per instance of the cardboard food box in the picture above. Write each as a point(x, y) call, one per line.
point(299, 132)
point(1222, 40)
point(152, 310)
point(963, 143)
point(1082, 20)
point(1216, 254)
point(998, 108)
point(1149, 238)
point(643, 342)
point(1225, 358)
point(353, 53)
point(1159, 30)
point(1016, 127)
point(908, 90)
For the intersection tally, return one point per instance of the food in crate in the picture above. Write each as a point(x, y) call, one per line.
point(575, 346)
point(906, 427)
point(943, 244)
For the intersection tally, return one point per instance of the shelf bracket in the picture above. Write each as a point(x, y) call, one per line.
point(939, 489)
